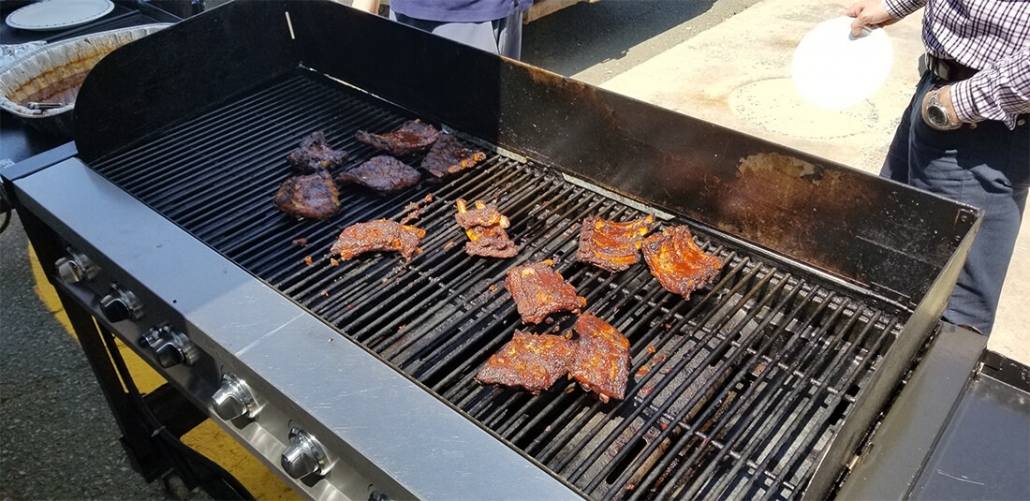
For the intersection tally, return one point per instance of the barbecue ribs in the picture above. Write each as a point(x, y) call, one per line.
point(378, 235)
point(449, 156)
point(383, 173)
point(529, 361)
point(538, 291)
point(678, 264)
point(601, 363)
point(311, 196)
point(485, 226)
point(413, 137)
point(611, 245)
point(314, 154)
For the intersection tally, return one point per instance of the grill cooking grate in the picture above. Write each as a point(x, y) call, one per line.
point(733, 394)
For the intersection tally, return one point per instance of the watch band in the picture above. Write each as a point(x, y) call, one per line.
point(936, 115)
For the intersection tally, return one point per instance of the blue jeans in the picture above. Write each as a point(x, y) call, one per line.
point(987, 167)
point(501, 36)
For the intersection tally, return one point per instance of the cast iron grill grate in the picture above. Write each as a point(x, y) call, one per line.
point(734, 393)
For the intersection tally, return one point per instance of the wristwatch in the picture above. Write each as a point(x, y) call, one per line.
point(937, 115)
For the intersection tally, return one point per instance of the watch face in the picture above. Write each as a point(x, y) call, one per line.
point(937, 116)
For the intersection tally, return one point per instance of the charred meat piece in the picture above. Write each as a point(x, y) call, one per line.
point(314, 154)
point(311, 196)
point(413, 137)
point(529, 361)
point(611, 245)
point(378, 235)
point(678, 264)
point(383, 173)
point(601, 364)
point(485, 226)
point(538, 291)
point(449, 156)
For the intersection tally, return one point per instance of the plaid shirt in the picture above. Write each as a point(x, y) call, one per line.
point(992, 36)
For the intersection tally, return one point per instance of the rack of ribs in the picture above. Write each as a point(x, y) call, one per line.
point(529, 361)
point(449, 156)
point(601, 364)
point(412, 137)
point(538, 291)
point(314, 154)
point(678, 264)
point(485, 226)
point(383, 174)
point(378, 235)
point(610, 245)
point(311, 196)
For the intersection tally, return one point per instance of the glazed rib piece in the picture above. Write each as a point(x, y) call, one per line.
point(613, 246)
point(601, 364)
point(529, 361)
point(314, 154)
point(412, 137)
point(383, 173)
point(538, 291)
point(678, 264)
point(311, 196)
point(378, 235)
point(485, 226)
point(449, 156)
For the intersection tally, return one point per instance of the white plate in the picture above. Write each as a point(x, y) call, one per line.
point(833, 70)
point(58, 14)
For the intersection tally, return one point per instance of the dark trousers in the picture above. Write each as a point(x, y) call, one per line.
point(986, 166)
point(502, 36)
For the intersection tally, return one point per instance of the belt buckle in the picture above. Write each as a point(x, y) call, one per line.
point(937, 66)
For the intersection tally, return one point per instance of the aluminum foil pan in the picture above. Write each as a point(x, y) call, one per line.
point(41, 86)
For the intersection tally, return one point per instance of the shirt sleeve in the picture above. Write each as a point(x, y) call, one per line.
point(998, 92)
point(901, 8)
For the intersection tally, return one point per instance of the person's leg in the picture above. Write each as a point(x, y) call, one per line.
point(478, 35)
point(508, 32)
point(987, 167)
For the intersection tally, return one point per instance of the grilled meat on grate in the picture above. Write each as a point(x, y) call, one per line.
point(412, 137)
point(678, 264)
point(378, 235)
point(311, 196)
point(449, 156)
point(611, 245)
point(538, 291)
point(602, 358)
point(485, 226)
point(314, 154)
point(529, 361)
point(383, 173)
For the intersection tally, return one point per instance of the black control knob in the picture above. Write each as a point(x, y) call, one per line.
point(121, 304)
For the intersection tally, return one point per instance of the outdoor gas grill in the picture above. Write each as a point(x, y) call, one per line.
point(354, 379)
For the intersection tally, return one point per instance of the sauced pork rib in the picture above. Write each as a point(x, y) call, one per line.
point(314, 154)
point(678, 264)
point(383, 173)
point(598, 360)
point(601, 364)
point(529, 361)
point(312, 196)
point(449, 156)
point(413, 137)
point(538, 291)
point(611, 245)
point(378, 235)
point(485, 226)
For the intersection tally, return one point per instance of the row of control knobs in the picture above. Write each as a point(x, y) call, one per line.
point(304, 456)
point(234, 400)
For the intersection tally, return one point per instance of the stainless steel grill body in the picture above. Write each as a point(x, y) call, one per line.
point(761, 385)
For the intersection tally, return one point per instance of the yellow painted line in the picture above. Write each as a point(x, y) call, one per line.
point(207, 438)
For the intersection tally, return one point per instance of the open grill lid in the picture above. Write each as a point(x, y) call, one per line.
point(902, 248)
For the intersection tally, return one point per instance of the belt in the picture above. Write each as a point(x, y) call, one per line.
point(948, 70)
